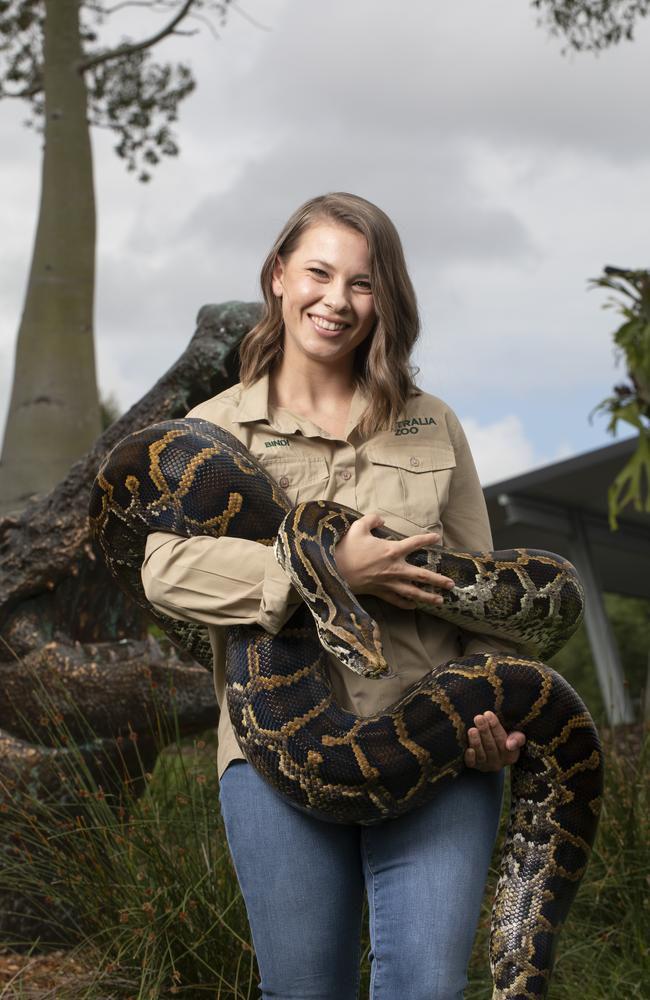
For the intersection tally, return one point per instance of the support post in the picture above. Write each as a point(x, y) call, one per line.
point(570, 524)
point(616, 698)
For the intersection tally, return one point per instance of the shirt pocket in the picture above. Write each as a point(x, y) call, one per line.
point(412, 481)
point(302, 477)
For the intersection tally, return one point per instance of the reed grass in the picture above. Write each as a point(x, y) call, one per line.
point(140, 884)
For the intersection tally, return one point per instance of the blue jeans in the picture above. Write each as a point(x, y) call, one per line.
point(303, 881)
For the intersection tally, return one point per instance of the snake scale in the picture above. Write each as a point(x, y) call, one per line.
point(191, 477)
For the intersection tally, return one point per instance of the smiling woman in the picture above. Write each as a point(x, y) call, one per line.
point(348, 247)
point(327, 303)
point(327, 389)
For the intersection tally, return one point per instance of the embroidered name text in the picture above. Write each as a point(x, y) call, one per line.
point(411, 425)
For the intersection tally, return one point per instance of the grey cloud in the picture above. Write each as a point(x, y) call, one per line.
point(460, 225)
point(425, 72)
point(402, 105)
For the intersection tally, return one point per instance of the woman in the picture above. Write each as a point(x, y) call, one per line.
point(327, 403)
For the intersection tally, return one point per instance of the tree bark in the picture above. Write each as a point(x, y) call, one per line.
point(68, 635)
point(54, 411)
point(52, 580)
point(76, 663)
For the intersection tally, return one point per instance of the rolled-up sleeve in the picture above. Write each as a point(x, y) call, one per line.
point(217, 581)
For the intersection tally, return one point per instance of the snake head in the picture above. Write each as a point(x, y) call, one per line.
point(358, 654)
point(305, 549)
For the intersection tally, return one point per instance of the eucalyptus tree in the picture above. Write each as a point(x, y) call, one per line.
point(592, 25)
point(53, 56)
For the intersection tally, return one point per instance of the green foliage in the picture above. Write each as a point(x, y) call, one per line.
point(631, 400)
point(21, 45)
point(138, 100)
point(592, 25)
point(128, 92)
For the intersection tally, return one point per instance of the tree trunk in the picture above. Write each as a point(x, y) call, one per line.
point(54, 412)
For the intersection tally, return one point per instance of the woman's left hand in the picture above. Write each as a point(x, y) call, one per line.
point(490, 747)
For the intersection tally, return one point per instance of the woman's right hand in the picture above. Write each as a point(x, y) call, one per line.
point(378, 566)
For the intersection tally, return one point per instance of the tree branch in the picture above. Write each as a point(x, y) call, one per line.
point(129, 49)
point(248, 17)
point(35, 88)
point(207, 22)
point(137, 3)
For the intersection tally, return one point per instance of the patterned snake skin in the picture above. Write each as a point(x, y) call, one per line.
point(190, 477)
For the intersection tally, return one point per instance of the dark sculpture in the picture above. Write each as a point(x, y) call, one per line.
point(75, 654)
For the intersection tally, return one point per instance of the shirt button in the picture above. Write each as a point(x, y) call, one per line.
point(414, 461)
point(346, 474)
point(284, 482)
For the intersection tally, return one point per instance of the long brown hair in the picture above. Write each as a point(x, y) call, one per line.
point(382, 365)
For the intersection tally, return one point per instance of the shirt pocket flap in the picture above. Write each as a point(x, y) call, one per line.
point(414, 458)
point(296, 470)
point(412, 479)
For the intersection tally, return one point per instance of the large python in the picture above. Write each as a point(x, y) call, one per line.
point(190, 477)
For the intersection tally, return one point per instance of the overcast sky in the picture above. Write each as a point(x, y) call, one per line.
point(512, 172)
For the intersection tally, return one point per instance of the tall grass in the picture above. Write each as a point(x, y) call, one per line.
point(142, 886)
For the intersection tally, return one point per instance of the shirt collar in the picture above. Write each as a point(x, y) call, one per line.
point(253, 407)
point(254, 402)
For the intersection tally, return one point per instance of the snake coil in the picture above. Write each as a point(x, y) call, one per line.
point(191, 477)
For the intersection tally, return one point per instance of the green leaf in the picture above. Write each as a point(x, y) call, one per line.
point(632, 484)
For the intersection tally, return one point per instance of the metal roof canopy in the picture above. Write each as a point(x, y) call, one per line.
point(563, 508)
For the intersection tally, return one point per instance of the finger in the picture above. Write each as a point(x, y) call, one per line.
point(488, 743)
point(420, 573)
point(368, 522)
point(416, 595)
point(425, 578)
point(413, 542)
point(505, 741)
point(509, 757)
point(515, 741)
point(508, 745)
point(399, 600)
point(470, 757)
point(476, 746)
point(499, 734)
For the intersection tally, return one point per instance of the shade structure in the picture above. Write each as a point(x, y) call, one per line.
point(563, 507)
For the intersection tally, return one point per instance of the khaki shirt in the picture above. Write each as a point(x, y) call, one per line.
point(419, 475)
